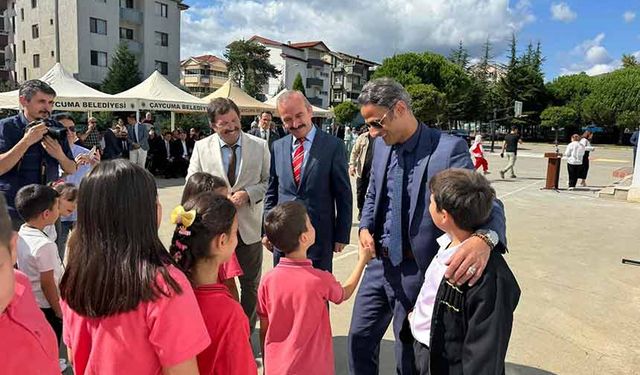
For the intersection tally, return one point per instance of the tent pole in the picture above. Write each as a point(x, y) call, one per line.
point(173, 121)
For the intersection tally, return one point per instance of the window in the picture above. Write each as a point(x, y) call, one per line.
point(34, 3)
point(126, 33)
point(36, 60)
point(35, 31)
point(24, 47)
point(52, 54)
point(24, 73)
point(126, 4)
point(21, 14)
point(162, 10)
point(98, 26)
point(98, 58)
point(50, 21)
point(337, 96)
point(162, 39)
point(162, 67)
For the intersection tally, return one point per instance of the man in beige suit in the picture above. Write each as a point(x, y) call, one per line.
point(243, 161)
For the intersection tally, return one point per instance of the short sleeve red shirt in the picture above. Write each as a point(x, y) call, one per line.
point(157, 334)
point(293, 298)
point(229, 269)
point(28, 344)
point(230, 351)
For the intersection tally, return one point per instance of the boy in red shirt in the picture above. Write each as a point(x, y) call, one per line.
point(292, 299)
point(28, 344)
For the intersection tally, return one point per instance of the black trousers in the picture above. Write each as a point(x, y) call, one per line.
point(54, 321)
point(421, 353)
point(584, 168)
point(574, 172)
point(362, 184)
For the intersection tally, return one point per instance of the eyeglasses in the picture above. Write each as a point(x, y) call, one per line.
point(378, 123)
point(71, 128)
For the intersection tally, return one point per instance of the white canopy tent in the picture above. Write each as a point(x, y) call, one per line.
point(248, 106)
point(71, 95)
point(317, 111)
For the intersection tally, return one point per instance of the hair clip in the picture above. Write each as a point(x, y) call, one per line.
point(181, 246)
point(183, 231)
point(182, 217)
point(177, 256)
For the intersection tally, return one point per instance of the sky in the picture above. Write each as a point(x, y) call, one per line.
point(576, 35)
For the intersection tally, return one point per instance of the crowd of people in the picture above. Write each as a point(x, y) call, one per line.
point(430, 255)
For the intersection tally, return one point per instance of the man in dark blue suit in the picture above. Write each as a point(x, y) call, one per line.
point(397, 227)
point(310, 166)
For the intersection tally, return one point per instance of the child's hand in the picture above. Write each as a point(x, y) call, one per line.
point(364, 254)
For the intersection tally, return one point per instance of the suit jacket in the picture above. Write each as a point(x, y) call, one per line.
point(112, 146)
point(435, 152)
point(175, 148)
point(273, 135)
point(252, 178)
point(324, 189)
point(144, 136)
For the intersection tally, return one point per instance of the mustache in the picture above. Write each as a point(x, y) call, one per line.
point(301, 126)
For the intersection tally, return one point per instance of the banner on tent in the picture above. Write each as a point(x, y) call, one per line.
point(173, 106)
point(92, 105)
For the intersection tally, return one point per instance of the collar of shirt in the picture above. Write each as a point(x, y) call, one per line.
point(286, 262)
point(23, 119)
point(223, 143)
point(310, 137)
point(445, 253)
point(410, 144)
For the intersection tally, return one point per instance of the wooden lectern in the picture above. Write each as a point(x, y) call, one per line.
point(553, 170)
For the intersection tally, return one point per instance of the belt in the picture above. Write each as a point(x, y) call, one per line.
point(383, 251)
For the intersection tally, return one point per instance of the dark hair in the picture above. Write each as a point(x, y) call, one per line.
point(115, 255)
point(63, 116)
point(267, 112)
point(587, 134)
point(221, 106)
point(34, 199)
point(131, 115)
point(33, 86)
point(6, 228)
point(284, 224)
point(514, 128)
point(466, 195)
point(200, 182)
point(67, 190)
point(214, 216)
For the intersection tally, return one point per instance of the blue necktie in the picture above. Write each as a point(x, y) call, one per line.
point(395, 248)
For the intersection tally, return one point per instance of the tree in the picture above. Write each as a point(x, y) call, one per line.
point(571, 91)
point(428, 103)
point(123, 72)
point(249, 66)
point(345, 112)
point(460, 56)
point(629, 61)
point(298, 85)
point(559, 117)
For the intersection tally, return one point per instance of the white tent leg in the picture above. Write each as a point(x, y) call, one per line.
point(173, 121)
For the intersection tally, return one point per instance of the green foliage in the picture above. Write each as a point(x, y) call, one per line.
point(629, 61)
point(629, 119)
point(298, 85)
point(123, 72)
point(559, 117)
point(460, 56)
point(613, 94)
point(249, 66)
point(571, 91)
point(345, 112)
point(428, 103)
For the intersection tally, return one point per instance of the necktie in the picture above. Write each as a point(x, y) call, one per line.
point(298, 160)
point(395, 243)
point(231, 172)
point(166, 144)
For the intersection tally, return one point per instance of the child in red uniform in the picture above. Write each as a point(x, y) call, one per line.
point(206, 236)
point(126, 309)
point(28, 344)
point(198, 183)
point(292, 300)
point(478, 153)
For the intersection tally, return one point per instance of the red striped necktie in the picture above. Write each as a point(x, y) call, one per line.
point(298, 160)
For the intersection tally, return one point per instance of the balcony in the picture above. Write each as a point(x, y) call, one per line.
point(317, 63)
point(135, 47)
point(314, 82)
point(315, 101)
point(356, 87)
point(337, 85)
point(131, 15)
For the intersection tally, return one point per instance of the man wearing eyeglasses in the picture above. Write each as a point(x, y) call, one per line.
point(396, 226)
point(91, 136)
point(310, 166)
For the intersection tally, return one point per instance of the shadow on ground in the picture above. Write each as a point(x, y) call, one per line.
point(387, 358)
point(515, 369)
point(169, 182)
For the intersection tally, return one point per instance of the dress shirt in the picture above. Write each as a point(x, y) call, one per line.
point(307, 146)
point(185, 151)
point(167, 146)
point(574, 153)
point(226, 155)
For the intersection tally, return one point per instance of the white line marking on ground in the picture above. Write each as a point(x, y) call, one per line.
point(518, 190)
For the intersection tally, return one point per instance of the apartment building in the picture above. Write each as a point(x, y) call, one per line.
point(202, 75)
point(83, 36)
point(349, 74)
point(6, 41)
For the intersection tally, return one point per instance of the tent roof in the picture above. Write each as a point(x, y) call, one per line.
point(317, 111)
point(247, 104)
point(157, 93)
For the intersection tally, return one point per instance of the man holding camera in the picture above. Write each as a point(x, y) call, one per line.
point(31, 152)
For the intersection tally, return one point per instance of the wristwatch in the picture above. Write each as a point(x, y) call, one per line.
point(488, 236)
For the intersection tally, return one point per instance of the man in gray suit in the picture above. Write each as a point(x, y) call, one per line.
point(138, 140)
point(243, 161)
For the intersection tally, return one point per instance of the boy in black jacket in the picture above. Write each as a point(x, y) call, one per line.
point(462, 329)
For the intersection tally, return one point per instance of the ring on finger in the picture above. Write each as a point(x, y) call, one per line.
point(471, 270)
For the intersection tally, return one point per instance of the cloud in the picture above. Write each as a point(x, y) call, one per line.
point(629, 16)
point(371, 29)
point(593, 58)
point(562, 12)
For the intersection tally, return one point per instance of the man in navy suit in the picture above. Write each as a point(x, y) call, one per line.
point(396, 225)
point(310, 166)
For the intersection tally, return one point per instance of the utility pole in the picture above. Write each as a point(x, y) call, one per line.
point(493, 128)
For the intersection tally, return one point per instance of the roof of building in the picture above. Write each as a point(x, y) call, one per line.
point(310, 44)
point(364, 61)
point(210, 59)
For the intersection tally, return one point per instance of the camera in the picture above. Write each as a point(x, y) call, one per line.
point(54, 130)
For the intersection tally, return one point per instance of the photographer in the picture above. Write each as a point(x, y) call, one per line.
point(27, 154)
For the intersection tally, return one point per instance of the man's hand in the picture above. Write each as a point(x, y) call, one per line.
point(53, 148)
point(366, 242)
point(338, 247)
point(267, 244)
point(352, 171)
point(473, 255)
point(239, 198)
point(34, 134)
